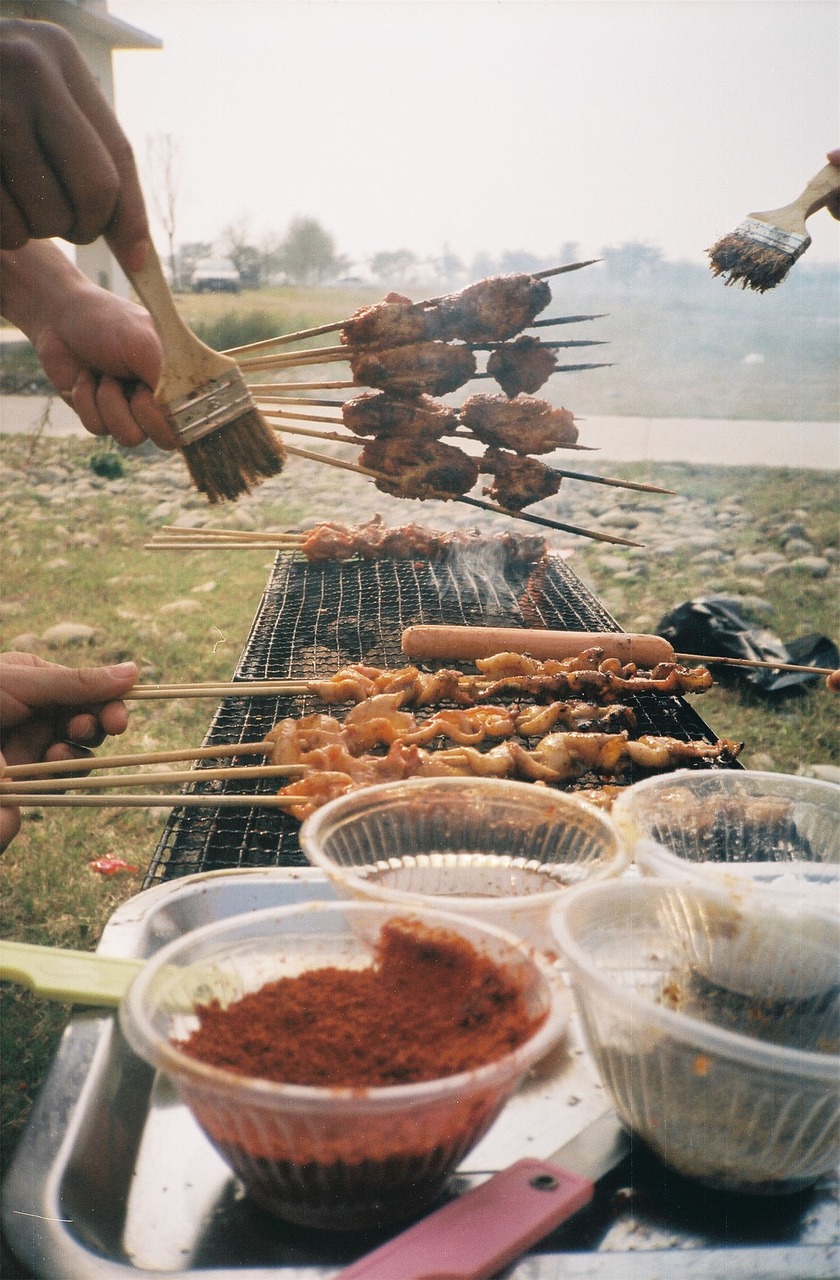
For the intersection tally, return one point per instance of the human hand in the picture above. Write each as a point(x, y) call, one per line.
point(68, 168)
point(101, 352)
point(833, 206)
point(52, 712)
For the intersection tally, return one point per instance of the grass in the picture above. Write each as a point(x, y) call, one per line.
point(79, 558)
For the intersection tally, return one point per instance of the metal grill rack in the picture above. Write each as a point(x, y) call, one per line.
point(315, 618)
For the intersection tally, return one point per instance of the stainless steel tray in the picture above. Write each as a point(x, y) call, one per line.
point(113, 1179)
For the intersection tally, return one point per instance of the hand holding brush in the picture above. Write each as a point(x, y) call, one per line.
point(760, 252)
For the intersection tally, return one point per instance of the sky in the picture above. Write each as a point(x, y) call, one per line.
point(485, 126)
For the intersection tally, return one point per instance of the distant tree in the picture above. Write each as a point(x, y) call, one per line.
point(163, 156)
point(393, 264)
point(449, 267)
point(245, 256)
point(516, 261)
point(307, 254)
point(632, 261)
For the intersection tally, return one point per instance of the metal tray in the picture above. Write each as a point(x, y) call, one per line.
point(113, 1178)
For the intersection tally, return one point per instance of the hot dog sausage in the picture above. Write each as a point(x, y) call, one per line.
point(459, 644)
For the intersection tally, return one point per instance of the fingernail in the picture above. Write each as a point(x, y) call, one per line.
point(122, 669)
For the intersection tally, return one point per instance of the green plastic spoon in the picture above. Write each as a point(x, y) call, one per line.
point(76, 977)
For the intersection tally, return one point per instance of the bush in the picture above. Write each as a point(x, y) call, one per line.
point(108, 465)
point(235, 329)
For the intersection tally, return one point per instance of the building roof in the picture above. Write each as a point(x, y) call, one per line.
point(79, 17)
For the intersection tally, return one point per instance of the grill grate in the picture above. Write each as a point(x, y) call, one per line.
point(315, 618)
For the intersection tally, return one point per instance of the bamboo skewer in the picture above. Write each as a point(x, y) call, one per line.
point(544, 521)
point(283, 339)
point(165, 778)
point(150, 800)
point(327, 355)
point(229, 689)
point(344, 438)
point(59, 768)
point(571, 475)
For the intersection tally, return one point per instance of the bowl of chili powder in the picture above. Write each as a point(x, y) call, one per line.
point(343, 1057)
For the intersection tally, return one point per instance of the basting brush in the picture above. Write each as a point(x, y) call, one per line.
point(225, 443)
point(760, 252)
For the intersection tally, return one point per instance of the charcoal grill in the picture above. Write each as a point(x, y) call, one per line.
point(316, 617)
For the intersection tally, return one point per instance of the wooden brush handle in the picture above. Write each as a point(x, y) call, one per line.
point(187, 361)
point(816, 195)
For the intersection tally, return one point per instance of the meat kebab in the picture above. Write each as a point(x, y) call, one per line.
point(517, 479)
point(419, 468)
point(523, 424)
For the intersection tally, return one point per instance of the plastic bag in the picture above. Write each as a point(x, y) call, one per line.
point(712, 626)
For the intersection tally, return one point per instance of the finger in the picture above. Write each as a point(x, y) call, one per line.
point(30, 178)
point(14, 232)
point(115, 412)
point(150, 419)
point(83, 730)
point(83, 400)
point(833, 682)
point(56, 686)
point(9, 826)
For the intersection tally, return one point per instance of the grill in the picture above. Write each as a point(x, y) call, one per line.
point(315, 618)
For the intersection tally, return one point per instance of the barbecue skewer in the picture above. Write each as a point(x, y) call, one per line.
point(544, 521)
point(327, 355)
point(38, 786)
point(333, 326)
point(59, 768)
point(147, 800)
point(560, 471)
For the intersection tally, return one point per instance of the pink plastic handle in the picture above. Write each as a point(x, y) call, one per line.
point(478, 1233)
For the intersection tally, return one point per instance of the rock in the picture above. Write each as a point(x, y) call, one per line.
point(204, 588)
point(816, 566)
point(69, 633)
point(798, 547)
point(825, 772)
point(26, 642)
point(180, 606)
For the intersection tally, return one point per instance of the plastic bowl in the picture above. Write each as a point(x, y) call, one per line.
point(486, 848)
point(331, 1158)
point(738, 1093)
point(769, 845)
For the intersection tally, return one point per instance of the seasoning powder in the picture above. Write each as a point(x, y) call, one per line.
point(429, 1006)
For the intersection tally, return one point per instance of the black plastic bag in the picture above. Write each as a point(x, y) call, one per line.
point(712, 626)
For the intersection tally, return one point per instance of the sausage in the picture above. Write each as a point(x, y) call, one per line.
point(466, 643)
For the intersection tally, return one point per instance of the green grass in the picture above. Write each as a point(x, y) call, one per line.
point(83, 560)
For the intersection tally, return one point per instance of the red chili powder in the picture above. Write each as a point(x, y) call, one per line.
point(429, 1006)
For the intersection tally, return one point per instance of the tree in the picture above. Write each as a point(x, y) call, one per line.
point(393, 264)
point(245, 256)
point(163, 155)
point(307, 254)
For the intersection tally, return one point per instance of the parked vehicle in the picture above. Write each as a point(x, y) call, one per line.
point(216, 275)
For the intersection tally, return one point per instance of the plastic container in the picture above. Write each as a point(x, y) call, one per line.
point(486, 848)
point(769, 845)
point(332, 1158)
point(738, 1093)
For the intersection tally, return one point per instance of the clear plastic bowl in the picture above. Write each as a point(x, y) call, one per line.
point(331, 1158)
point(486, 848)
point(738, 1093)
point(769, 844)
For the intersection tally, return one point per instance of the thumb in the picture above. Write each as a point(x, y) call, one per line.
point(58, 686)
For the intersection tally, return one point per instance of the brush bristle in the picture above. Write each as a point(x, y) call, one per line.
point(742, 260)
point(230, 461)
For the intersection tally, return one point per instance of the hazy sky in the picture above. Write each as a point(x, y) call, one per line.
point(486, 125)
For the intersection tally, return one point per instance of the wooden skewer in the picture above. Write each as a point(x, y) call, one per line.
point(165, 778)
point(304, 386)
point(560, 471)
point(231, 689)
point(58, 768)
point(283, 339)
point(326, 355)
point(709, 660)
point(544, 521)
point(152, 800)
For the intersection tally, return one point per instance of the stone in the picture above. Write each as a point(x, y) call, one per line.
point(69, 633)
point(180, 606)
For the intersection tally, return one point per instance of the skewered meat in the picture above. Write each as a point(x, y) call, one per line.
point(523, 425)
point(432, 367)
point(493, 309)
point(378, 414)
point(391, 323)
point(419, 468)
point(518, 480)
point(560, 757)
point(523, 365)
point(374, 541)
point(588, 674)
